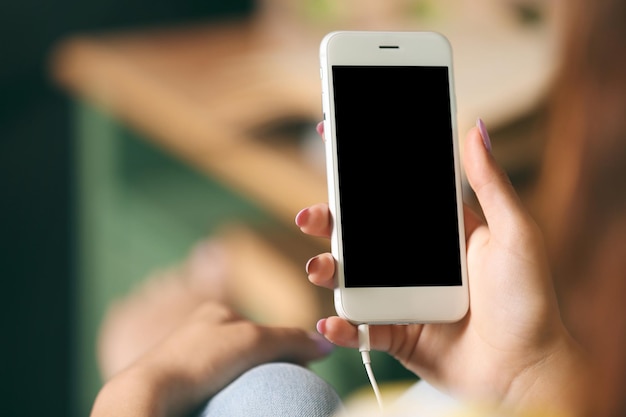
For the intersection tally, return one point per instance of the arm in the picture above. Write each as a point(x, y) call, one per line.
point(512, 349)
point(210, 349)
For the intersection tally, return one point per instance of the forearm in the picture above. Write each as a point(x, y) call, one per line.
point(131, 393)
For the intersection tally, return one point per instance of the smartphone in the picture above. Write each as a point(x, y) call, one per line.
point(393, 176)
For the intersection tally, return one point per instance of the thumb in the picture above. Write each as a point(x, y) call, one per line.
point(496, 195)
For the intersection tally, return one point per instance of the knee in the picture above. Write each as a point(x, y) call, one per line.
point(276, 389)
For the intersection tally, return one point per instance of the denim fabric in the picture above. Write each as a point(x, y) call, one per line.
point(275, 390)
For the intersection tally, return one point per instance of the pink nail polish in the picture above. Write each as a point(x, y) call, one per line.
point(320, 128)
point(320, 326)
point(483, 132)
point(302, 216)
point(308, 264)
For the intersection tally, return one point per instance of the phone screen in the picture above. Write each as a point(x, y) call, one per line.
point(396, 176)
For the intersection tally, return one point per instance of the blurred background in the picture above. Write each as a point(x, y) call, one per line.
point(130, 131)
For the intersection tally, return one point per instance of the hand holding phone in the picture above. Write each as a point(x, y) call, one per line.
point(392, 149)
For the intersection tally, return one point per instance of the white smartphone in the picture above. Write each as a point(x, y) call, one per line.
point(394, 181)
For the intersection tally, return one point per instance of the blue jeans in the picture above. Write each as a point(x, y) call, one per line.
point(275, 390)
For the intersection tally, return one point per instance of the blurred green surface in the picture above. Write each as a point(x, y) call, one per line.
point(140, 211)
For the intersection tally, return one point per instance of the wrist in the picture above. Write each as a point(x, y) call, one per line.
point(559, 385)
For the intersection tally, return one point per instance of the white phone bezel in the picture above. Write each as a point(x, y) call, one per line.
point(397, 304)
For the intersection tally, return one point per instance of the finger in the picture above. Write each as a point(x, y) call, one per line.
point(494, 191)
point(321, 270)
point(320, 130)
point(223, 351)
point(315, 220)
point(339, 331)
point(292, 344)
point(400, 340)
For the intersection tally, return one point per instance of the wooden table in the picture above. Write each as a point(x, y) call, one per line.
point(202, 92)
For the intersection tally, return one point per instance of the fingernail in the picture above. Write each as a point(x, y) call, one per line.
point(308, 264)
point(302, 217)
point(320, 128)
point(321, 325)
point(483, 132)
point(323, 344)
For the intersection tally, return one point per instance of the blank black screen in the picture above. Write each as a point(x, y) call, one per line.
point(396, 176)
